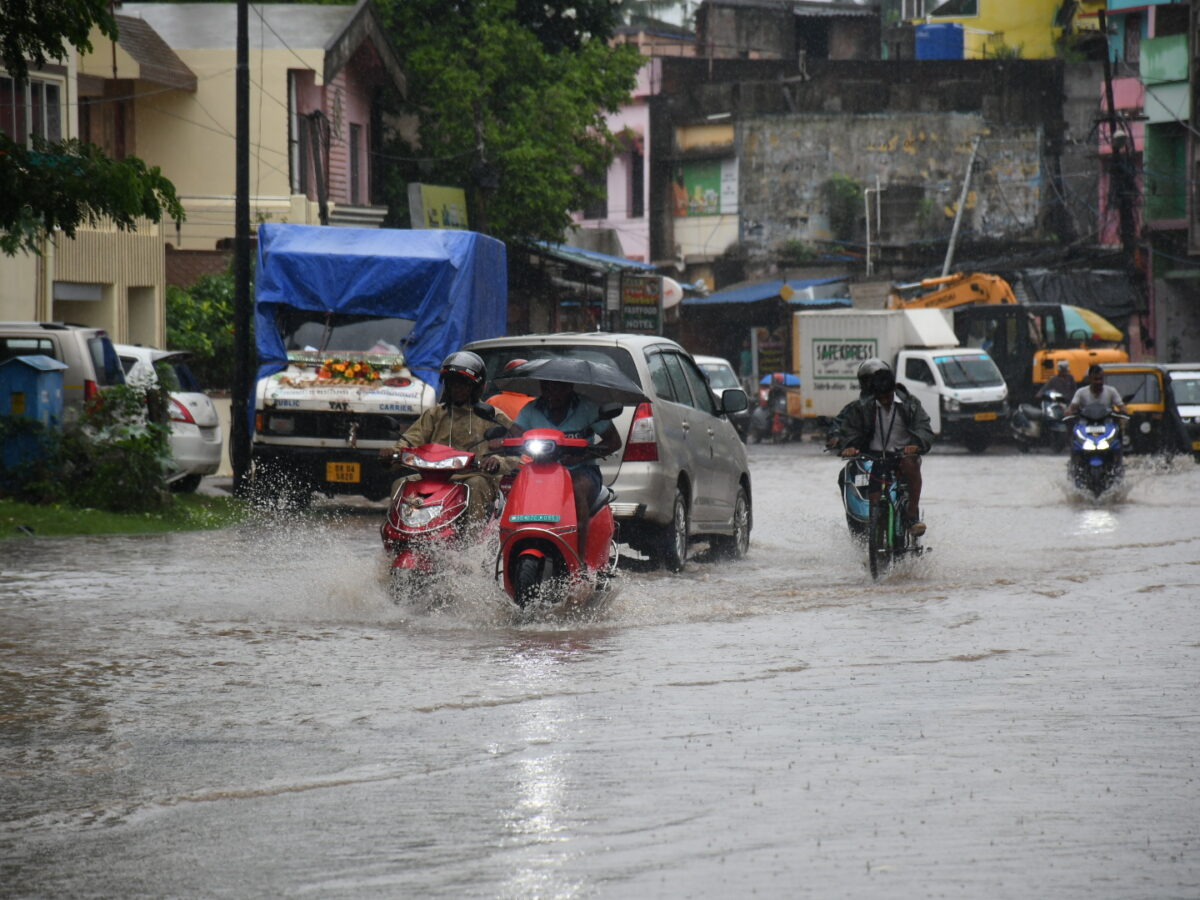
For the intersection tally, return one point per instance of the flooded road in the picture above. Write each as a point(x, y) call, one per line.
point(245, 713)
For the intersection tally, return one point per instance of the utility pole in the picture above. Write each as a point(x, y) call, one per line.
point(1122, 179)
point(962, 202)
point(239, 438)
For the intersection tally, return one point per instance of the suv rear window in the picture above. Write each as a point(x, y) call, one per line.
point(11, 347)
point(105, 361)
point(496, 358)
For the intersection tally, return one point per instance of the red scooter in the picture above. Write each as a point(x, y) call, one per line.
point(426, 518)
point(540, 559)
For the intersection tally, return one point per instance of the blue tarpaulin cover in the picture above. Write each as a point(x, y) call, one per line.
point(767, 290)
point(453, 284)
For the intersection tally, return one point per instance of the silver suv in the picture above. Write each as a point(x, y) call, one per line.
point(681, 473)
point(92, 362)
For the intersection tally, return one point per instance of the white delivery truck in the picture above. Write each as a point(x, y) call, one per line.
point(961, 388)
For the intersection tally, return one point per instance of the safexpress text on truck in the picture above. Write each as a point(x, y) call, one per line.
point(351, 326)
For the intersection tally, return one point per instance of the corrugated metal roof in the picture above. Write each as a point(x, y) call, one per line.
point(592, 259)
point(272, 26)
point(808, 292)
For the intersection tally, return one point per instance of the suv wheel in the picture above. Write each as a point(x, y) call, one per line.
point(671, 542)
point(736, 545)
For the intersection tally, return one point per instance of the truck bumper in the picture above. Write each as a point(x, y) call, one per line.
point(341, 471)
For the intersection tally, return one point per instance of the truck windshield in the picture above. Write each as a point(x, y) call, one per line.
point(969, 371)
point(326, 333)
point(1187, 389)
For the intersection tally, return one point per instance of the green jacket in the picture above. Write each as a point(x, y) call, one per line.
point(859, 422)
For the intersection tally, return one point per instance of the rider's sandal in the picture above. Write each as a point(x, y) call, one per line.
point(915, 527)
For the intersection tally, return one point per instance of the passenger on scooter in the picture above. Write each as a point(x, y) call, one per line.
point(455, 423)
point(510, 402)
point(1063, 382)
point(560, 407)
point(1096, 391)
point(891, 419)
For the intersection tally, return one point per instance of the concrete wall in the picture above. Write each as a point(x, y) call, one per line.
point(920, 160)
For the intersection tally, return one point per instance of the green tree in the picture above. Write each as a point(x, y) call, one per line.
point(511, 98)
point(199, 320)
point(65, 184)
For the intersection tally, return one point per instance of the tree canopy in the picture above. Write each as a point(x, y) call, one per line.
point(511, 97)
point(48, 185)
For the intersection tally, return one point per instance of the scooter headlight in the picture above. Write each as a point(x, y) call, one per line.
point(538, 449)
point(414, 461)
point(419, 516)
point(1102, 444)
point(1089, 444)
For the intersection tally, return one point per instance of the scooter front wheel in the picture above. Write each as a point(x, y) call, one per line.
point(528, 578)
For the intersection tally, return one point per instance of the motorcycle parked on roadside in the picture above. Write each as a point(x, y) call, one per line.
point(540, 560)
point(1096, 464)
point(770, 419)
point(1043, 425)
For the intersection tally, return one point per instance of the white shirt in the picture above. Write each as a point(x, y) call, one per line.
point(890, 431)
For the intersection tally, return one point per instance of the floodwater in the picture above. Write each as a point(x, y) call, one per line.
point(246, 713)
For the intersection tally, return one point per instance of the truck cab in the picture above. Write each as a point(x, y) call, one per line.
point(962, 390)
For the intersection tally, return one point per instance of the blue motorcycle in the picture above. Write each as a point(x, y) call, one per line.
point(1097, 463)
point(879, 524)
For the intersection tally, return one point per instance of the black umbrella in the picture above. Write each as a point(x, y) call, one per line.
point(597, 380)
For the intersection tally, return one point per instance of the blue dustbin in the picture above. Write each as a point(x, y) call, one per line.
point(31, 387)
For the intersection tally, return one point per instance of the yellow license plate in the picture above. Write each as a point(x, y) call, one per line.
point(343, 472)
point(1196, 445)
point(985, 417)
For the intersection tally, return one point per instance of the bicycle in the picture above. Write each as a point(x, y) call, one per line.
point(887, 538)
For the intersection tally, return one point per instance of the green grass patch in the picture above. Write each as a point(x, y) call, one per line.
point(187, 512)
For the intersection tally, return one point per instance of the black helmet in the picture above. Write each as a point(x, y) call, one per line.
point(882, 382)
point(467, 365)
point(868, 368)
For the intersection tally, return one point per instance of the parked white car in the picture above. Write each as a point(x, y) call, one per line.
point(196, 440)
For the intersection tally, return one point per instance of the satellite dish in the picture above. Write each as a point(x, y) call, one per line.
point(672, 292)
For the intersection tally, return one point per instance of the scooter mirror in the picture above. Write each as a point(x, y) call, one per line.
point(610, 410)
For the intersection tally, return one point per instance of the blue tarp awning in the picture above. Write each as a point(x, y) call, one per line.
point(825, 289)
point(593, 259)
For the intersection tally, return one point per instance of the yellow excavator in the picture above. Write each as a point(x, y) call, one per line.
point(1026, 341)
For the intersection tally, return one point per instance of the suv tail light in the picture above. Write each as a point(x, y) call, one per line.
point(180, 413)
point(642, 443)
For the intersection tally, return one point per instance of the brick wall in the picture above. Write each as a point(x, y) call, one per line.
point(185, 266)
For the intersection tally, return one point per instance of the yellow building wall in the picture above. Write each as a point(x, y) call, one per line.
point(191, 136)
point(1008, 25)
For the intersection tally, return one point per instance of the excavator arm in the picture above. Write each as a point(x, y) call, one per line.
point(959, 289)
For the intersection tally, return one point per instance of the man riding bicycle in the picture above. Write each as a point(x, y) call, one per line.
point(890, 419)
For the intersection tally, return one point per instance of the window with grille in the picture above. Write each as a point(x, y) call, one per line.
point(31, 109)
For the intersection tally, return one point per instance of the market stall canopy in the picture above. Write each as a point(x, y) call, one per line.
point(813, 292)
point(1091, 323)
point(592, 259)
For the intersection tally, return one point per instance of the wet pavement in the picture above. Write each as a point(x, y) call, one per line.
point(246, 713)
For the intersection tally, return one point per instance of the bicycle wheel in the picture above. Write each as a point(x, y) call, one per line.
point(878, 545)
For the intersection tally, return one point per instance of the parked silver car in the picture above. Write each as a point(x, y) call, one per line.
point(196, 440)
point(721, 377)
point(88, 353)
point(681, 473)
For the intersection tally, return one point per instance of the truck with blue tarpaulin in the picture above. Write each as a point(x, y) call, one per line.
point(351, 326)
